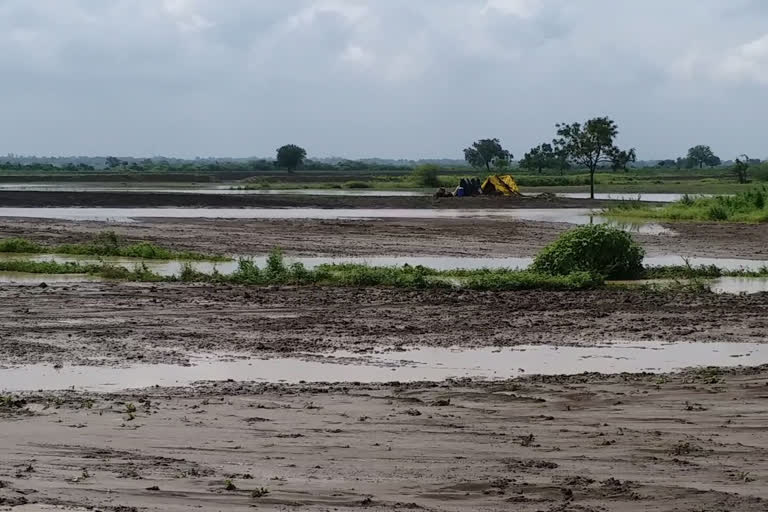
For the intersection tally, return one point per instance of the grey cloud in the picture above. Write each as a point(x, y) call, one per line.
point(368, 78)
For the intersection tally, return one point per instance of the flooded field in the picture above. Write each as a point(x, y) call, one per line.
point(423, 364)
point(577, 216)
point(228, 189)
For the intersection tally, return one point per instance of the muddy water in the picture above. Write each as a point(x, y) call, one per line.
point(579, 216)
point(433, 364)
point(738, 285)
point(204, 189)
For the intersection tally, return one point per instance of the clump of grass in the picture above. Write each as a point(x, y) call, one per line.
point(259, 492)
point(107, 243)
point(357, 184)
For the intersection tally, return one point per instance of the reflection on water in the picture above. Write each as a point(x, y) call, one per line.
point(566, 215)
point(433, 364)
point(203, 189)
point(738, 285)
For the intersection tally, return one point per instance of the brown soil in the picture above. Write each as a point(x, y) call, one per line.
point(180, 199)
point(439, 237)
point(73, 323)
point(691, 442)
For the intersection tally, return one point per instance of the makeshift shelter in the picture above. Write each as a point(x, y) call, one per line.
point(500, 185)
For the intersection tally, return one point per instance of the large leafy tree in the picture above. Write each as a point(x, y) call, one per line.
point(539, 158)
point(290, 157)
point(485, 152)
point(702, 155)
point(589, 145)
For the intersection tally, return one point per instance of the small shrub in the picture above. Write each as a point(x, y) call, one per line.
point(260, 492)
point(275, 263)
point(427, 175)
point(357, 184)
point(599, 249)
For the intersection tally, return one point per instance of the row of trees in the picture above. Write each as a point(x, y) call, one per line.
point(589, 145)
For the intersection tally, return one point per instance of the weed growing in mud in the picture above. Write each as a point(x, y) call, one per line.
point(259, 492)
point(229, 485)
point(107, 243)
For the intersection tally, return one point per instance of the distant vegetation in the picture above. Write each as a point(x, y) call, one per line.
point(748, 206)
point(580, 157)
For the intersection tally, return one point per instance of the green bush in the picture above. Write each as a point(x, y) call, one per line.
point(357, 184)
point(20, 245)
point(600, 250)
point(427, 175)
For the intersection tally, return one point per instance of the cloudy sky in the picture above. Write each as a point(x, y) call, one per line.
point(389, 78)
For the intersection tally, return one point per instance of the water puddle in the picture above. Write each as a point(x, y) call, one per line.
point(432, 364)
point(724, 263)
point(739, 285)
point(578, 216)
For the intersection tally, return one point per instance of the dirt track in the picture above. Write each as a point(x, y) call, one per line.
point(74, 323)
point(695, 442)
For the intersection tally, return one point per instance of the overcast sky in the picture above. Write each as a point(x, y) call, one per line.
point(388, 78)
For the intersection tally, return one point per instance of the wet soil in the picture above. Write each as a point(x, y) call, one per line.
point(590, 443)
point(139, 199)
point(98, 323)
point(434, 237)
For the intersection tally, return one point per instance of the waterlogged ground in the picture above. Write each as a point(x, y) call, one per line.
point(111, 324)
point(583, 443)
point(403, 365)
point(690, 442)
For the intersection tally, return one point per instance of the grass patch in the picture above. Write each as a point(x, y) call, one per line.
point(278, 272)
point(748, 206)
point(107, 243)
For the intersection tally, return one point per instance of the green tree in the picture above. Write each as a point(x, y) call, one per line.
point(112, 162)
point(290, 157)
point(620, 159)
point(702, 155)
point(741, 169)
point(485, 152)
point(426, 175)
point(588, 145)
point(539, 158)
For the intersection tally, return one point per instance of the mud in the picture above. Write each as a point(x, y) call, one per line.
point(103, 323)
point(631, 443)
point(141, 199)
point(487, 237)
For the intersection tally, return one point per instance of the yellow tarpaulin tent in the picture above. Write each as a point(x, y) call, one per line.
point(500, 184)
